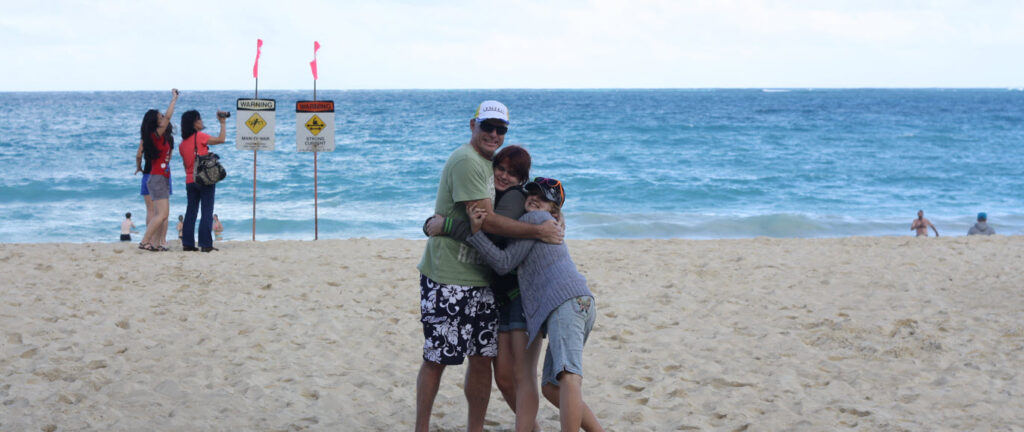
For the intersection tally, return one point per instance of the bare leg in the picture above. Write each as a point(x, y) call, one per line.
point(478, 391)
point(427, 383)
point(504, 369)
point(163, 228)
point(570, 401)
point(149, 215)
point(589, 424)
point(527, 400)
point(149, 208)
point(160, 208)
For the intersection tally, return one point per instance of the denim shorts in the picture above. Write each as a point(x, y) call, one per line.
point(568, 328)
point(145, 188)
point(159, 187)
point(511, 316)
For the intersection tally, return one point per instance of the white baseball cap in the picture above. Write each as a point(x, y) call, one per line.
point(491, 109)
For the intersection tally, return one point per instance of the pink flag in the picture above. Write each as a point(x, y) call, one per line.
point(312, 64)
point(256, 66)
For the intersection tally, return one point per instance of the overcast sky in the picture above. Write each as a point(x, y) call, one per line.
point(390, 44)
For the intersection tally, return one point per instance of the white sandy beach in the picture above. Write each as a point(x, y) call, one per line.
point(867, 334)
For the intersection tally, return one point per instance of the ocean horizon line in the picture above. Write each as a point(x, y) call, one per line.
point(1019, 87)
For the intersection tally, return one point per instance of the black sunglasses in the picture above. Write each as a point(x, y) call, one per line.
point(488, 128)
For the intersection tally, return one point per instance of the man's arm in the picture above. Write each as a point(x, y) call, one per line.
point(547, 232)
point(511, 206)
point(933, 228)
point(502, 261)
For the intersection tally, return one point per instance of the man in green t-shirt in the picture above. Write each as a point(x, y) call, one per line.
point(457, 307)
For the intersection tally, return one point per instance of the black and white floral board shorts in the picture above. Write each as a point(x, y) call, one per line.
point(458, 321)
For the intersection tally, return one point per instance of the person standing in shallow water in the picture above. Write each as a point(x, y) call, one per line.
point(200, 197)
point(218, 229)
point(127, 227)
point(921, 225)
point(981, 227)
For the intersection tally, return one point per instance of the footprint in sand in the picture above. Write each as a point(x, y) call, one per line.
point(678, 393)
point(633, 388)
point(855, 412)
point(722, 383)
point(903, 328)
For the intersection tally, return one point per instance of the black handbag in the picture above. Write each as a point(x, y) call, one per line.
point(206, 169)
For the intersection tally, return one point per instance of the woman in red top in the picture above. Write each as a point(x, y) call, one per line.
point(194, 140)
point(157, 142)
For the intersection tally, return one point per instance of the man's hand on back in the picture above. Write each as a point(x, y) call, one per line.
point(551, 232)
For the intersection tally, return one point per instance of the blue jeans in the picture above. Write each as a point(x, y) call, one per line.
point(198, 197)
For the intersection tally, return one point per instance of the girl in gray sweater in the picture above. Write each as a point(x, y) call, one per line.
point(556, 301)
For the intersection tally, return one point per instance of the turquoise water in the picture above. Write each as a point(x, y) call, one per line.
point(635, 163)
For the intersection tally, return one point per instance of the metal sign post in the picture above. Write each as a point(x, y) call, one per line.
point(314, 132)
point(255, 126)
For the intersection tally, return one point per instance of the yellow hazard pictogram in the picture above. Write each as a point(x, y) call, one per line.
point(256, 123)
point(315, 125)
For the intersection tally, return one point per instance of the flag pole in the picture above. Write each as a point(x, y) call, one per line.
point(316, 181)
point(256, 95)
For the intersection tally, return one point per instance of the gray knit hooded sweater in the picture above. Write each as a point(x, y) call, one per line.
point(547, 274)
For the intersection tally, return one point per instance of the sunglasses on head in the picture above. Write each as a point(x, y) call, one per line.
point(489, 127)
point(547, 181)
point(554, 184)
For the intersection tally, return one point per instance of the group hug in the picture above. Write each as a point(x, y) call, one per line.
point(496, 280)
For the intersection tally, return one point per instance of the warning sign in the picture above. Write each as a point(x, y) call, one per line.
point(314, 126)
point(256, 123)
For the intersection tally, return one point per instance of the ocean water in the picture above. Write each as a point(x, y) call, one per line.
point(715, 163)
